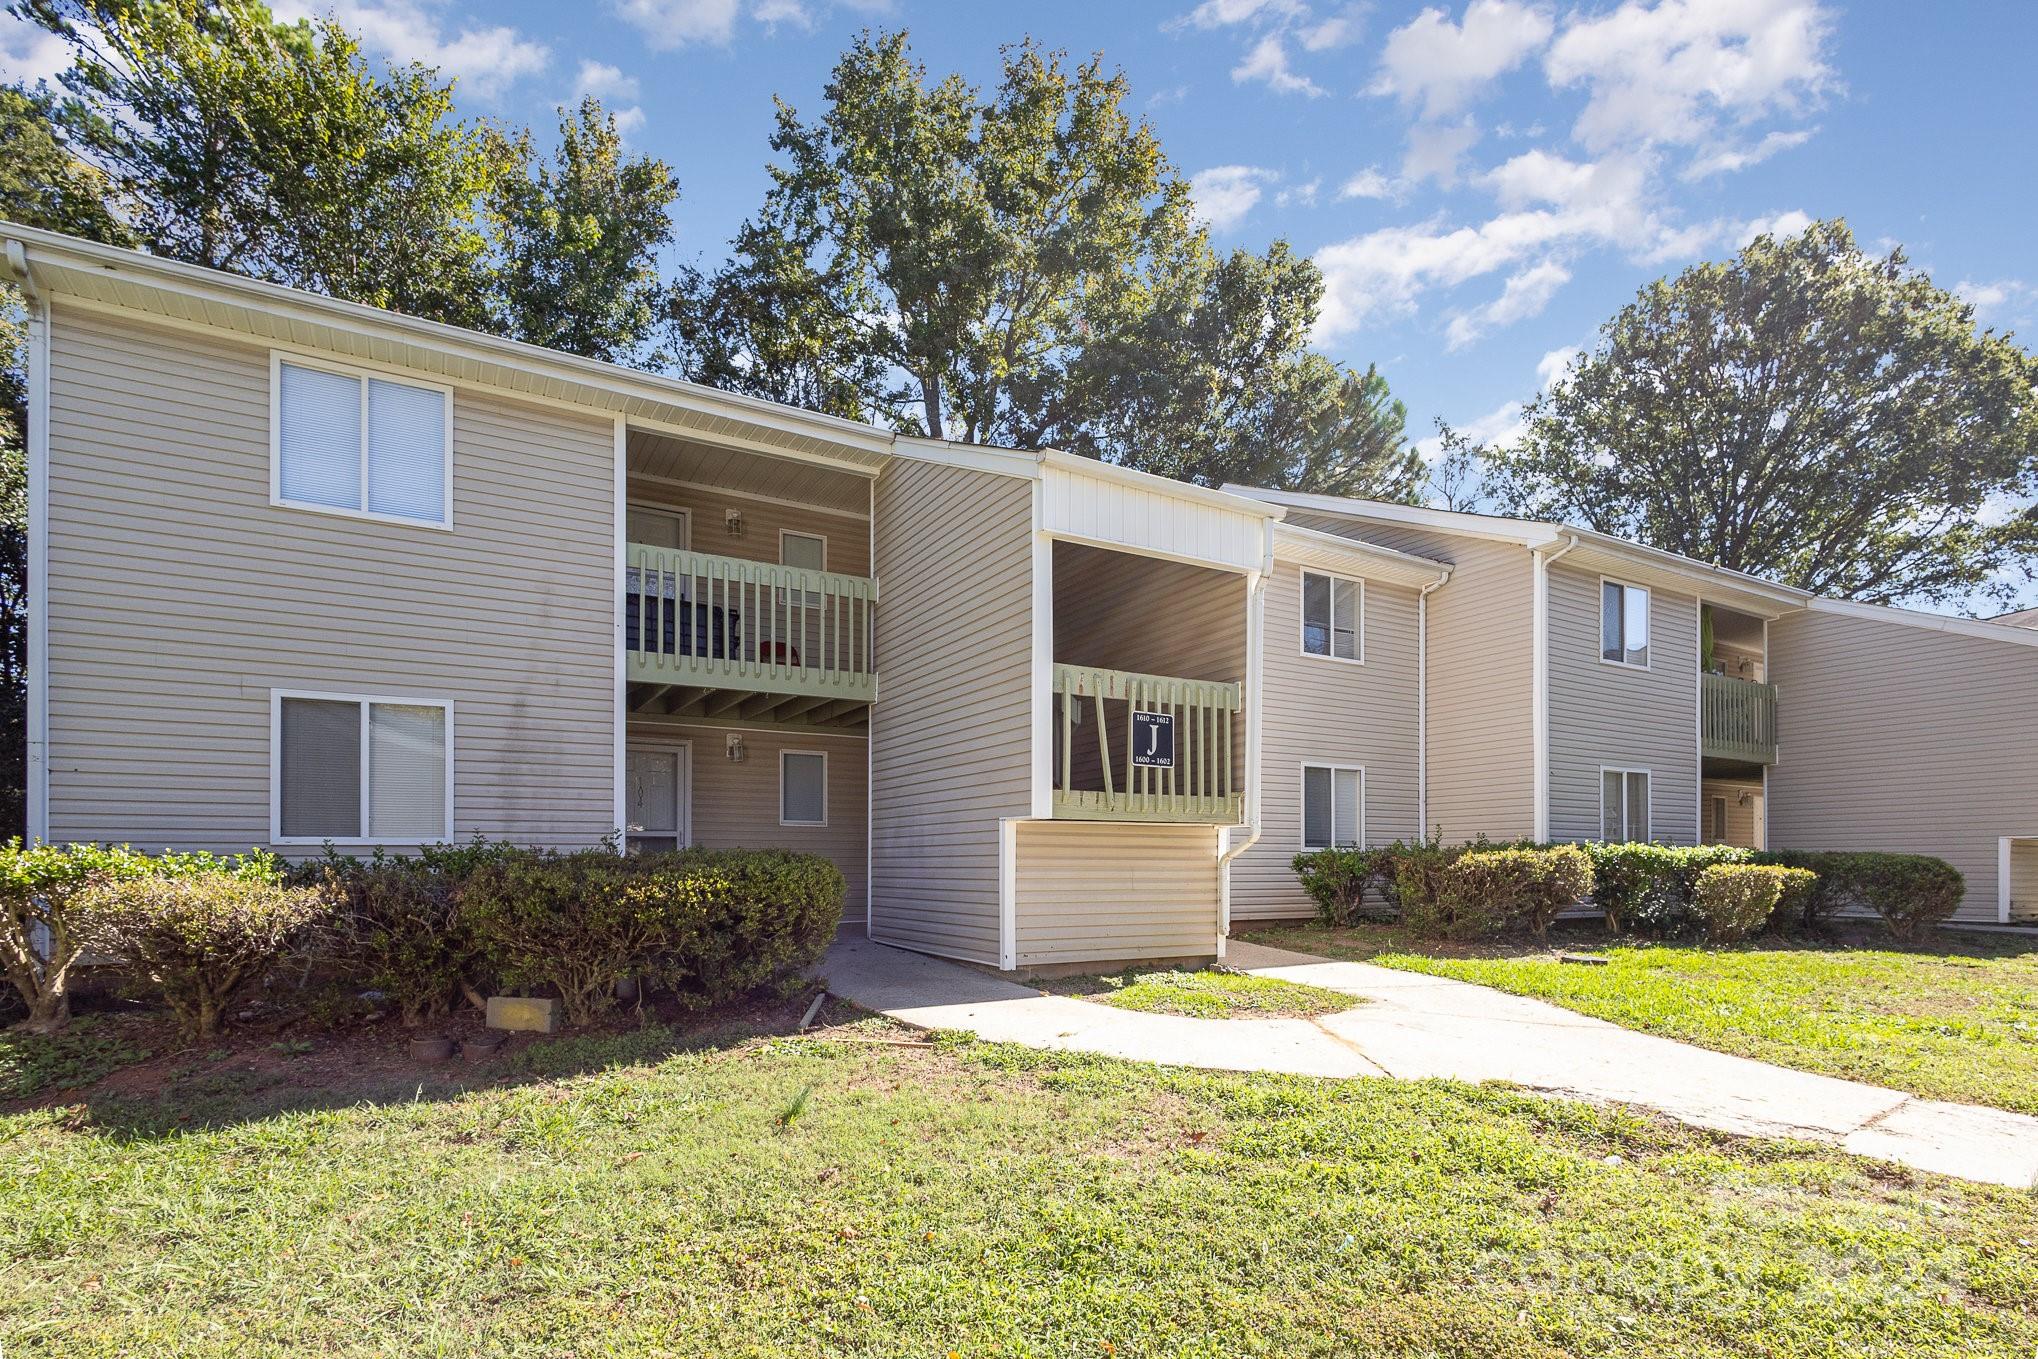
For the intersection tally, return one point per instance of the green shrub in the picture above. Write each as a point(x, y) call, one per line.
point(711, 925)
point(200, 938)
point(1486, 890)
point(1338, 879)
point(1416, 881)
point(1911, 892)
point(398, 925)
point(1734, 901)
point(44, 928)
point(764, 916)
point(1649, 888)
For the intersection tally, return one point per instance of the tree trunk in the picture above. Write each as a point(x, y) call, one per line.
point(49, 1013)
point(930, 397)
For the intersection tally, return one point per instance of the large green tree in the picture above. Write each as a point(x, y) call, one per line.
point(1024, 267)
point(1806, 412)
point(577, 237)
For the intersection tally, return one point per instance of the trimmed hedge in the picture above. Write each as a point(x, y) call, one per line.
point(1338, 880)
point(1735, 900)
point(1649, 889)
point(200, 939)
point(1911, 892)
point(1485, 890)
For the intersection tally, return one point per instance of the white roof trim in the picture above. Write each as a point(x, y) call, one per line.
point(1314, 547)
point(1979, 628)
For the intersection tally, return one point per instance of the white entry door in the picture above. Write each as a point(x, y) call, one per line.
point(659, 798)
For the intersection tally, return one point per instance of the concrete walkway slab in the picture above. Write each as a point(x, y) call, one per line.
point(1413, 1026)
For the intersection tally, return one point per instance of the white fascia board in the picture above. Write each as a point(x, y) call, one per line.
point(1978, 628)
point(1159, 485)
point(1008, 462)
point(1314, 547)
point(1528, 533)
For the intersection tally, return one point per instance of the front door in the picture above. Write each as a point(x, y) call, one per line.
point(657, 798)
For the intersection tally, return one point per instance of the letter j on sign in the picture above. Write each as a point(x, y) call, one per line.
point(1153, 740)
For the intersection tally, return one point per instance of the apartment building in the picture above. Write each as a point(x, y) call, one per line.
point(306, 573)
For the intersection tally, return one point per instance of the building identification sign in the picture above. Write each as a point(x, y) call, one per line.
point(1153, 740)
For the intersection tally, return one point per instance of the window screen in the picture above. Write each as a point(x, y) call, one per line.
point(1332, 800)
point(1624, 805)
point(321, 769)
point(807, 551)
point(802, 790)
point(1330, 616)
point(328, 757)
point(354, 443)
point(1623, 623)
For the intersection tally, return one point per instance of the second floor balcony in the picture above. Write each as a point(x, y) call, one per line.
point(1737, 719)
point(720, 631)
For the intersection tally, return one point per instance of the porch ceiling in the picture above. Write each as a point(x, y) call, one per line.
point(666, 458)
point(686, 702)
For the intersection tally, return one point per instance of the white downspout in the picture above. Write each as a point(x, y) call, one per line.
point(1540, 680)
point(37, 446)
point(1422, 705)
point(1255, 669)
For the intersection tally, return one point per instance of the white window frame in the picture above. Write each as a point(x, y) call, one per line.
point(823, 755)
point(1599, 608)
point(276, 835)
point(279, 357)
point(1302, 802)
point(685, 517)
point(785, 533)
point(1302, 617)
point(1648, 804)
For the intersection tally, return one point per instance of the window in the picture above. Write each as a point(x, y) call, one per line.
point(1623, 623)
point(361, 770)
point(1332, 613)
point(1333, 806)
point(1623, 805)
point(807, 551)
point(656, 526)
point(802, 788)
point(360, 445)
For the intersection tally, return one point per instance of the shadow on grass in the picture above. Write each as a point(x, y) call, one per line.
point(249, 1077)
point(1367, 939)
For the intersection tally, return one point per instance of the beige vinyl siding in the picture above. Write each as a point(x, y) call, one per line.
point(736, 806)
point(1126, 612)
point(1482, 761)
point(1904, 738)
point(1095, 892)
point(179, 597)
point(951, 731)
point(1605, 714)
point(848, 535)
point(1743, 823)
point(1321, 711)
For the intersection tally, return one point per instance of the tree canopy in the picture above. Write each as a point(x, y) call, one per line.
point(1024, 267)
point(1806, 412)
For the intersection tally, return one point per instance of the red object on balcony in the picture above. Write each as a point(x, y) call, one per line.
point(778, 653)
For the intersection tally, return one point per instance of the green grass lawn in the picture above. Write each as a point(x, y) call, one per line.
point(842, 1194)
point(1955, 1019)
point(1208, 994)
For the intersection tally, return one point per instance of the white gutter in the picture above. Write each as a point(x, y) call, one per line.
point(1255, 670)
point(37, 448)
point(1540, 680)
point(1422, 705)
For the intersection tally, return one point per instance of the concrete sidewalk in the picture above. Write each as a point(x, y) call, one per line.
point(1416, 1026)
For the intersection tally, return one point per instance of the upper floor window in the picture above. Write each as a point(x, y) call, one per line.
point(1333, 611)
point(807, 551)
point(1623, 623)
point(356, 444)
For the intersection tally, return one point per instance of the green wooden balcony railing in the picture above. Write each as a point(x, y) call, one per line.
point(1104, 759)
point(693, 618)
point(1737, 719)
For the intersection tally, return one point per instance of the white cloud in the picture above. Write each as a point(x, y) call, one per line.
point(629, 120)
point(486, 61)
point(1552, 366)
point(603, 82)
point(1987, 296)
point(1268, 61)
point(1443, 66)
point(1224, 13)
point(1367, 183)
point(29, 52)
point(1224, 194)
point(1500, 427)
point(1727, 159)
point(1780, 225)
point(1300, 195)
point(1343, 27)
point(667, 24)
point(1525, 294)
point(1665, 73)
point(1435, 150)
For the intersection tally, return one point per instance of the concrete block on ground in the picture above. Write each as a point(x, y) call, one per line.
point(523, 1013)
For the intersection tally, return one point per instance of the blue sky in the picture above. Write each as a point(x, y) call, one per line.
point(1482, 183)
